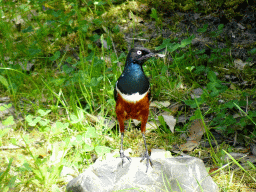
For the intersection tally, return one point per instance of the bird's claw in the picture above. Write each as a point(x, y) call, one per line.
point(147, 157)
point(124, 156)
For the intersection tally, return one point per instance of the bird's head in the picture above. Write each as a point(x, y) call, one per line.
point(139, 55)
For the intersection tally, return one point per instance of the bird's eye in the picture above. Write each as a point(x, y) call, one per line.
point(139, 52)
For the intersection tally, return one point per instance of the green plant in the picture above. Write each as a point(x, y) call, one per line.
point(7, 181)
point(254, 179)
point(155, 16)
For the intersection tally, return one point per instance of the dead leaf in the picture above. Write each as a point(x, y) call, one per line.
point(189, 146)
point(152, 125)
point(236, 156)
point(107, 122)
point(170, 121)
point(174, 108)
point(212, 170)
point(196, 132)
point(160, 104)
point(27, 66)
point(136, 122)
point(239, 64)
point(236, 115)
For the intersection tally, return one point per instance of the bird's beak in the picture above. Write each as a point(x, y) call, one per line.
point(159, 54)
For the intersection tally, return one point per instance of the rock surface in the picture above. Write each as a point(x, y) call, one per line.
point(167, 174)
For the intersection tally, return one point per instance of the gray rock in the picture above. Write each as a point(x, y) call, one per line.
point(168, 174)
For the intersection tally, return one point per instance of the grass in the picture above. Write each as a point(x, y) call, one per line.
point(60, 106)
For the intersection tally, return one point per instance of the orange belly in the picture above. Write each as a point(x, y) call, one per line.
point(126, 110)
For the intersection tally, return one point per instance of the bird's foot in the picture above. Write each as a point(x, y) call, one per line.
point(147, 157)
point(124, 156)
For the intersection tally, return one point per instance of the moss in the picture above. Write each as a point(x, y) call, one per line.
point(120, 13)
point(119, 41)
point(157, 41)
point(166, 6)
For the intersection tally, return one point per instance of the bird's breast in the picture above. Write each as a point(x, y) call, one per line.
point(133, 98)
point(133, 82)
point(134, 110)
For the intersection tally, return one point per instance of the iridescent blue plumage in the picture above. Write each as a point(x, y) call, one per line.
point(133, 80)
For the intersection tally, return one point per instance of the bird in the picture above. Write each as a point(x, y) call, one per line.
point(132, 95)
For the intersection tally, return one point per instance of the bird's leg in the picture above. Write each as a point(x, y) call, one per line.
point(146, 156)
point(122, 151)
